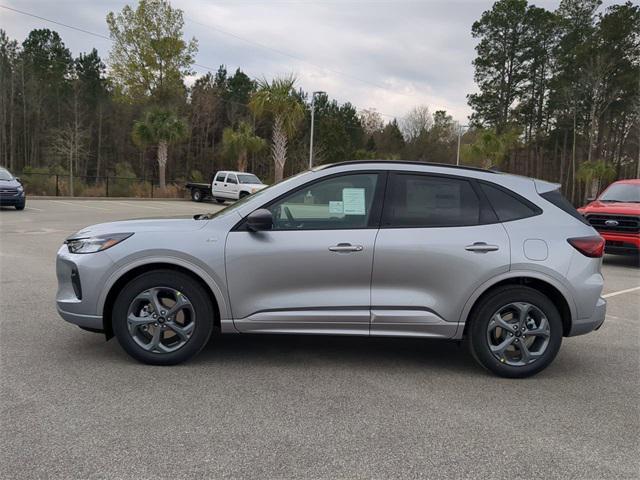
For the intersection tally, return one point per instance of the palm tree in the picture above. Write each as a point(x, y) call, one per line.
point(160, 127)
point(277, 98)
point(240, 142)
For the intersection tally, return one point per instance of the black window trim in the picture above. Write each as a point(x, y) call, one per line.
point(536, 209)
point(484, 204)
point(377, 204)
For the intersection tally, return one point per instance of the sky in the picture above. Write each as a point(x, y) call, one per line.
point(386, 55)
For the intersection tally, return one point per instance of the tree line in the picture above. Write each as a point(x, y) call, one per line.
point(557, 98)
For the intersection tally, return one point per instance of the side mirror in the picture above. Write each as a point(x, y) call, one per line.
point(260, 220)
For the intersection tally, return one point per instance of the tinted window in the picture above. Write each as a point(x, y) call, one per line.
point(507, 206)
point(429, 201)
point(562, 203)
point(231, 178)
point(336, 203)
point(220, 177)
point(248, 178)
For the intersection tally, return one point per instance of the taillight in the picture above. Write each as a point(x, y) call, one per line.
point(588, 246)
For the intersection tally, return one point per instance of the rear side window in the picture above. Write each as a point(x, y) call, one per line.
point(220, 177)
point(562, 203)
point(231, 178)
point(431, 201)
point(508, 206)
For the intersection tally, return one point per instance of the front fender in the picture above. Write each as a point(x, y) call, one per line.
point(173, 258)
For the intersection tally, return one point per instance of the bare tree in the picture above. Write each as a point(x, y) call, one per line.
point(416, 122)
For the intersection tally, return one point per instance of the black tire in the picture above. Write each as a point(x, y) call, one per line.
point(204, 316)
point(244, 194)
point(21, 206)
point(196, 195)
point(220, 200)
point(477, 337)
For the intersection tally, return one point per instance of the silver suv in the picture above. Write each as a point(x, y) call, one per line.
point(401, 249)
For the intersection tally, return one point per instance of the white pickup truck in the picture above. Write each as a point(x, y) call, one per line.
point(226, 185)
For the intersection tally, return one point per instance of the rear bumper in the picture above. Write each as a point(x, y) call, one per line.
point(581, 326)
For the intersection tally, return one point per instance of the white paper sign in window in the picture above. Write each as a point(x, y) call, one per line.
point(336, 207)
point(353, 201)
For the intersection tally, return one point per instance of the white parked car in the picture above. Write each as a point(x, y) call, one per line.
point(226, 185)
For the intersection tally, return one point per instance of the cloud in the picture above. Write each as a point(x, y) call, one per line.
point(385, 54)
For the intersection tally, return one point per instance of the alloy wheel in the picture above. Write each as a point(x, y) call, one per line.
point(518, 334)
point(161, 320)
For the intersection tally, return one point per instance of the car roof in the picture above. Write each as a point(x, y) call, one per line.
point(633, 181)
point(405, 162)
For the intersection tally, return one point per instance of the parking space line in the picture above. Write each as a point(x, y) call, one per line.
point(78, 204)
point(138, 205)
point(620, 292)
point(33, 208)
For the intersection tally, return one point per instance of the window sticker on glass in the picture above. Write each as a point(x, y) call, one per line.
point(336, 207)
point(353, 201)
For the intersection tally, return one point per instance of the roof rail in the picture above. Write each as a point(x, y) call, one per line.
point(406, 162)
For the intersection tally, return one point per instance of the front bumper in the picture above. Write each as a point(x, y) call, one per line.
point(621, 244)
point(581, 326)
point(13, 200)
point(78, 304)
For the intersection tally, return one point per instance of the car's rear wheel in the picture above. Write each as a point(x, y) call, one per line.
point(163, 317)
point(515, 332)
point(196, 195)
point(220, 200)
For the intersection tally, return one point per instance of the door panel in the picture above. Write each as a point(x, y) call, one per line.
point(422, 277)
point(290, 281)
point(438, 242)
point(231, 186)
point(218, 185)
point(312, 271)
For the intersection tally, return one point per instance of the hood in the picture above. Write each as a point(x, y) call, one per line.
point(257, 186)
point(181, 224)
point(614, 208)
point(10, 183)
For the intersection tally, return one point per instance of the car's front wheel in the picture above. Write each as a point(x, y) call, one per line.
point(163, 317)
point(515, 332)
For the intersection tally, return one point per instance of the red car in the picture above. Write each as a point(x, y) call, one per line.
point(615, 214)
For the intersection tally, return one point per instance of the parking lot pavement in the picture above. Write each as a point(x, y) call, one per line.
point(75, 406)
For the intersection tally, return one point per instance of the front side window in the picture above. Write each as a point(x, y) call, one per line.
point(429, 201)
point(343, 202)
point(248, 178)
point(231, 178)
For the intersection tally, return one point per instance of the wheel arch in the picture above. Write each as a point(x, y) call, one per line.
point(122, 277)
point(550, 287)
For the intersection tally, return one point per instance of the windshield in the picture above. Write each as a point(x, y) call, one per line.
point(5, 175)
point(248, 178)
point(621, 192)
point(247, 198)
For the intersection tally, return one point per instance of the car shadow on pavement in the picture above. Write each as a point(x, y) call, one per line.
point(626, 261)
point(366, 352)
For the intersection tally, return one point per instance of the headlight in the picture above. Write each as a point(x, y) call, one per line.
point(95, 244)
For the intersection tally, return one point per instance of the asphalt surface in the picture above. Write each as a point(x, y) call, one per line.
point(75, 406)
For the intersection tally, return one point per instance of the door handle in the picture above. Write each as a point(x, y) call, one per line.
point(346, 248)
point(481, 247)
point(225, 184)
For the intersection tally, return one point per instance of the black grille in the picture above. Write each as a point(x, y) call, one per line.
point(7, 192)
point(614, 223)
